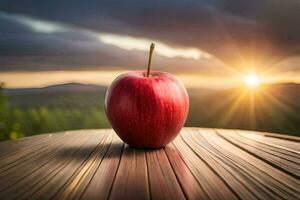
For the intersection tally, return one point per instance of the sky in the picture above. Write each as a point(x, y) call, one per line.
point(206, 43)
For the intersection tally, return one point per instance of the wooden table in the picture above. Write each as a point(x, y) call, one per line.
point(199, 164)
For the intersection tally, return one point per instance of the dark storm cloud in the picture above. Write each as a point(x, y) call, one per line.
point(30, 44)
point(256, 31)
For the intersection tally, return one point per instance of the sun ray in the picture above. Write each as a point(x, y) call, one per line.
point(229, 115)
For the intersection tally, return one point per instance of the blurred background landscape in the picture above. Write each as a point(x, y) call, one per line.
point(240, 60)
point(72, 106)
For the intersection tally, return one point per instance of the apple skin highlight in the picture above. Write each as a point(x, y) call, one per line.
point(147, 112)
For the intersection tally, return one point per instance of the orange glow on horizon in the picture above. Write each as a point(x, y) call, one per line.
point(30, 79)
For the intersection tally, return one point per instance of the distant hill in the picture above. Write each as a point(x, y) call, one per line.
point(79, 87)
point(62, 95)
point(292, 88)
point(67, 87)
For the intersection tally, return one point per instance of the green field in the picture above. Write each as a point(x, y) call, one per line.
point(27, 112)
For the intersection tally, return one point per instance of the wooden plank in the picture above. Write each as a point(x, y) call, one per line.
point(9, 163)
point(277, 150)
point(234, 166)
point(226, 172)
point(266, 176)
point(102, 180)
point(51, 184)
point(24, 169)
point(288, 164)
point(278, 142)
point(282, 137)
point(24, 180)
point(10, 146)
point(212, 184)
point(161, 177)
point(188, 182)
point(131, 181)
point(75, 186)
point(201, 163)
point(14, 159)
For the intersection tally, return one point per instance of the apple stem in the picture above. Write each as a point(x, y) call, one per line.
point(150, 57)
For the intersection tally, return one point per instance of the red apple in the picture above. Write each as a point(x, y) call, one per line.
point(146, 110)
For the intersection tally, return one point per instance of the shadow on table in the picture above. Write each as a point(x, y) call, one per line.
point(113, 150)
point(90, 152)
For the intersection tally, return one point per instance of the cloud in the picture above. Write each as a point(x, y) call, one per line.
point(131, 43)
point(35, 44)
point(35, 25)
point(41, 26)
point(258, 32)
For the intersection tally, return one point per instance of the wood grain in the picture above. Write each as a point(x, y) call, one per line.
point(200, 163)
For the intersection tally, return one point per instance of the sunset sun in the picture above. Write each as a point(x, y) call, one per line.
point(251, 80)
